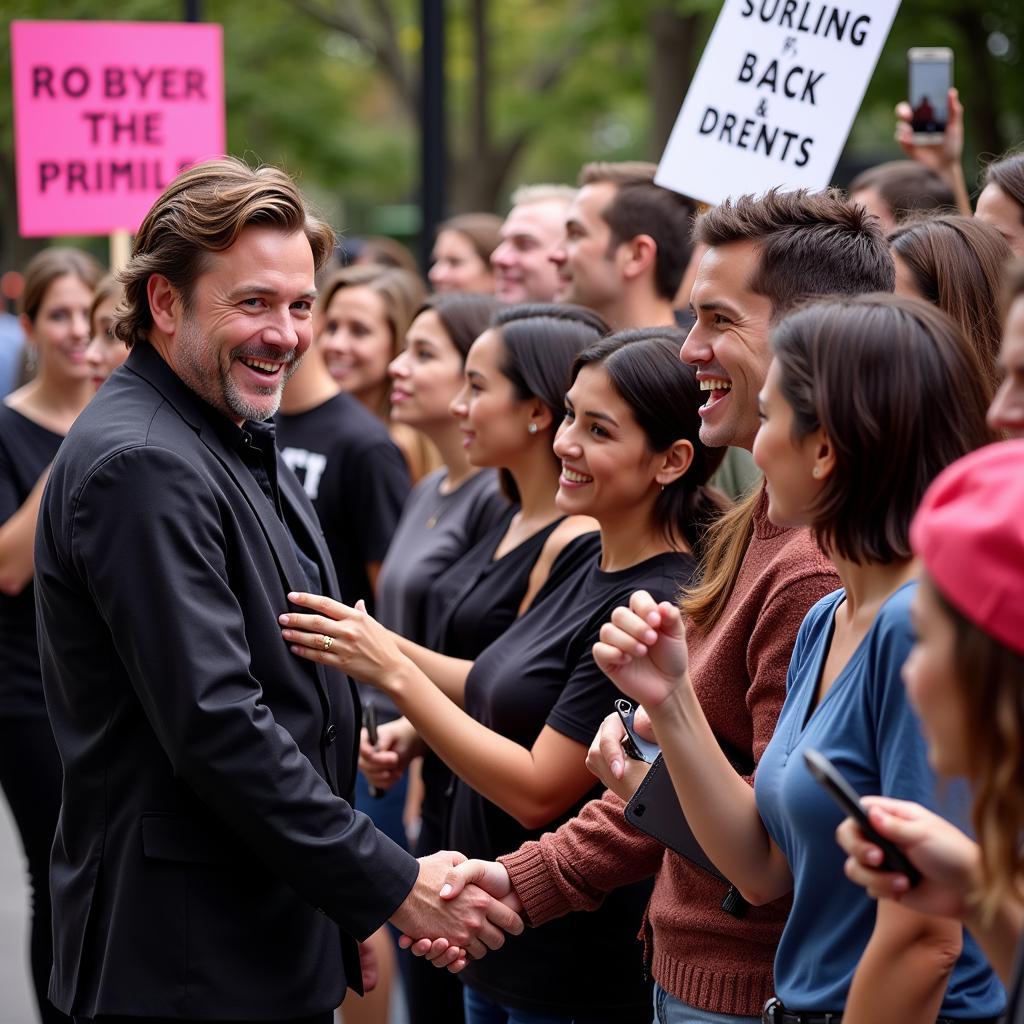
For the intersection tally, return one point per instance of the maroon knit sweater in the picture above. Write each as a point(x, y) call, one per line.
point(697, 952)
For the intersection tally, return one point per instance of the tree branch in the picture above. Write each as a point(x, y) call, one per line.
point(383, 43)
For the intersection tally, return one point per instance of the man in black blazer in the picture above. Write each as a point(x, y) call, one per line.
point(207, 863)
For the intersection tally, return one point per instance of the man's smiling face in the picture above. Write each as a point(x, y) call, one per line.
point(247, 323)
point(729, 344)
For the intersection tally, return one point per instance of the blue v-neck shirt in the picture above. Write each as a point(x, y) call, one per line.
point(866, 727)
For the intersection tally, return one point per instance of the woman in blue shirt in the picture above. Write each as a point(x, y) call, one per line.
point(866, 401)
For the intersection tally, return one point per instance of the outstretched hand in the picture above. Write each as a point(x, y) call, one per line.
point(643, 649)
point(464, 923)
point(343, 637)
point(492, 878)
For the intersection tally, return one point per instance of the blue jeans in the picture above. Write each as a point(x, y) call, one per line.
point(482, 1010)
point(669, 1010)
point(386, 811)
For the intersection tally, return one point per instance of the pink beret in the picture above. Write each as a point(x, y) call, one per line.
point(969, 533)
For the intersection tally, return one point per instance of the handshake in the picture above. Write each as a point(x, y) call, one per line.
point(457, 910)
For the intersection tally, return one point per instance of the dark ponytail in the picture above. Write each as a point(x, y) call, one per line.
point(541, 342)
point(663, 395)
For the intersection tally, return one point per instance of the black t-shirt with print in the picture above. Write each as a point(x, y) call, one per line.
point(357, 479)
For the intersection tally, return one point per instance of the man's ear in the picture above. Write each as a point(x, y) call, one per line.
point(165, 304)
point(675, 462)
point(641, 254)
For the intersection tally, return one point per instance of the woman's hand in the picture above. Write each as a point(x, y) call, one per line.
point(397, 744)
point(643, 650)
point(943, 158)
point(608, 761)
point(948, 860)
point(342, 637)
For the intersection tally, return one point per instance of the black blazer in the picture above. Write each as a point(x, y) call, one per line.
point(206, 852)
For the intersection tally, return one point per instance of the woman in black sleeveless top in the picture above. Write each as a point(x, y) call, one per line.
point(533, 698)
point(517, 373)
point(33, 422)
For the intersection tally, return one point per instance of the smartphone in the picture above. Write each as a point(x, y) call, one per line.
point(635, 746)
point(930, 75)
point(370, 721)
point(826, 773)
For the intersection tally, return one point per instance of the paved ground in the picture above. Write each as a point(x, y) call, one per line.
point(16, 1004)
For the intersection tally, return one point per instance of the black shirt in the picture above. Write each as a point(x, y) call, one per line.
point(26, 449)
point(541, 672)
point(356, 478)
point(469, 606)
point(477, 598)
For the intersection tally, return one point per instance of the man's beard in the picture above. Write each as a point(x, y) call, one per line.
point(215, 385)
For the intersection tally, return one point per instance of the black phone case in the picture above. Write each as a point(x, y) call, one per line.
point(654, 809)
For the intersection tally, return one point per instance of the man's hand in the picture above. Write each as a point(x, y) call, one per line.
point(472, 920)
point(607, 759)
point(397, 744)
point(485, 874)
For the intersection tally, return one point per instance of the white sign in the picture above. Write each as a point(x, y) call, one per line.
point(774, 96)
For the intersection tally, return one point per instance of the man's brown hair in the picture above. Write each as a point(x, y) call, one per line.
point(203, 211)
point(640, 207)
point(808, 243)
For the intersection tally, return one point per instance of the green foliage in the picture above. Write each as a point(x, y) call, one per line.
point(569, 82)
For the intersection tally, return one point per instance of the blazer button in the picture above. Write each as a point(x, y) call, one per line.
point(331, 734)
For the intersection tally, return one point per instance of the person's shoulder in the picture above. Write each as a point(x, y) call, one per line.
point(892, 626)
point(340, 421)
point(793, 552)
point(819, 615)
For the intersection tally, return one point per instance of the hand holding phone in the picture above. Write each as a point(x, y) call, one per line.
point(634, 745)
point(370, 721)
point(826, 773)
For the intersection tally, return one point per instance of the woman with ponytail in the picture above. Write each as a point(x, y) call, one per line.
point(515, 723)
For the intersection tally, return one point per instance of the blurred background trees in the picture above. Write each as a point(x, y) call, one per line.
point(329, 90)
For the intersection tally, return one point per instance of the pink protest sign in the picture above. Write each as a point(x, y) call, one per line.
point(106, 114)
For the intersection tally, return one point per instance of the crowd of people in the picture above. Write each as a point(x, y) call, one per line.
point(315, 613)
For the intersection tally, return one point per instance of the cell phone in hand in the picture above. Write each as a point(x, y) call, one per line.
point(634, 745)
point(826, 773)
point(370, 721)
point(929, 76)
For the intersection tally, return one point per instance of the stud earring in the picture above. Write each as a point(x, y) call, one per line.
point(532, 428)
point(816, 472)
